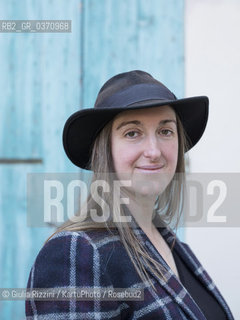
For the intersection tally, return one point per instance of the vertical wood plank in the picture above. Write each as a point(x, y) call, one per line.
point(127, 35)
point(40, 87)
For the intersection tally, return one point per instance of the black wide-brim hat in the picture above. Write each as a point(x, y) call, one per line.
point(128, 91)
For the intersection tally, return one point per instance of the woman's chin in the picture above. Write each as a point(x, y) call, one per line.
point(151, 184)
point(145, 184)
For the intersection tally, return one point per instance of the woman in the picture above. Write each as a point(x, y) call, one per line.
point(134, 141)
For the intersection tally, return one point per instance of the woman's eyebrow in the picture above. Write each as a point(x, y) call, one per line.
point(168, 120)
point(124, 123)
point(137, 122)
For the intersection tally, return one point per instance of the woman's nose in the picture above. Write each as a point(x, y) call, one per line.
point(152, 149)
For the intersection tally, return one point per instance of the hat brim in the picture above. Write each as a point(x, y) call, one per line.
point(83, 126)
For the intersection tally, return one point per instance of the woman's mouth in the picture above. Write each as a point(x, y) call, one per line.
point(150, 168)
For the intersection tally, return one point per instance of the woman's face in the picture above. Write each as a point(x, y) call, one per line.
point(145, 148)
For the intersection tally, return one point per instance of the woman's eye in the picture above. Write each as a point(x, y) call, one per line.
point(132, 134)
point(166, 132)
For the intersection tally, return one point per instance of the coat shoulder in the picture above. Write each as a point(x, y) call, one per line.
point(76, 260)
point(83, 253)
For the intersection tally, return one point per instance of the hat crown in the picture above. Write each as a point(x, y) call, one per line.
point(124, 81)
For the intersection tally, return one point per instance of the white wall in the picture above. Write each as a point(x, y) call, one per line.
point(212, 51)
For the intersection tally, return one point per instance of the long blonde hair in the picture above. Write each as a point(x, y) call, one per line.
point(168, 206)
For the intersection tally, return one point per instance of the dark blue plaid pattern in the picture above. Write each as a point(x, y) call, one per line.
point(96, 259)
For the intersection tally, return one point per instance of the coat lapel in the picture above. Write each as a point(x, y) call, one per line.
point(195, 266)
point(174, 287)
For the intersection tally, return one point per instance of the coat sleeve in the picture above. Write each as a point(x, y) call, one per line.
point(71, 260)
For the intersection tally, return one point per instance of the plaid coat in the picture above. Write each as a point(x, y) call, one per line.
point(96, 259)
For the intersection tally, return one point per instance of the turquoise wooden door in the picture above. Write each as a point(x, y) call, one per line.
point(46, 77)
